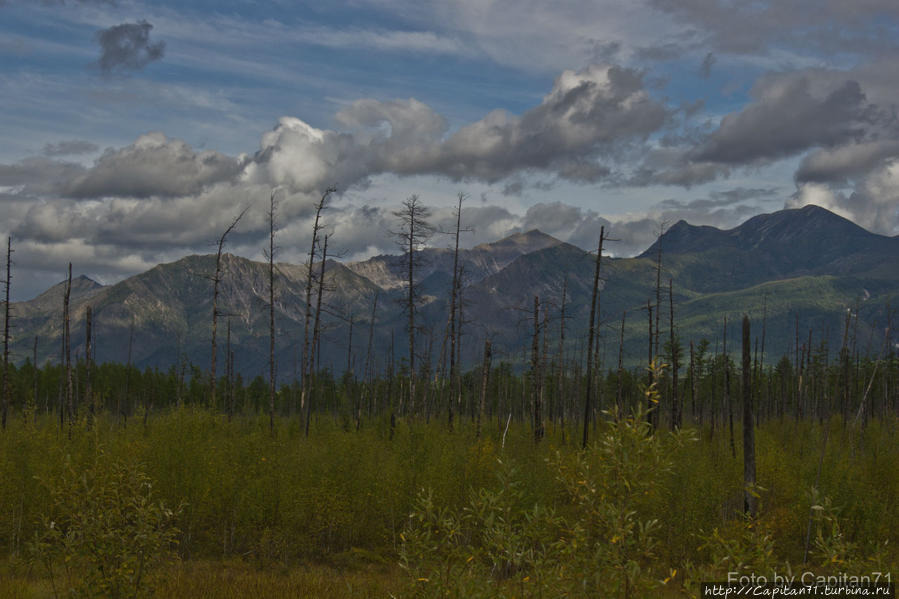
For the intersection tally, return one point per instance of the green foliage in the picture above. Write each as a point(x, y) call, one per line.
point(105, 530)
point(594, 536)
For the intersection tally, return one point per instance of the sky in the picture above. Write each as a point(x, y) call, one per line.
point(132, 133)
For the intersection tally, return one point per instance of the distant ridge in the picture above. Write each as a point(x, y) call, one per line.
point(807, 263)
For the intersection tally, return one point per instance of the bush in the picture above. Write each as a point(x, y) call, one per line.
point(105, 531)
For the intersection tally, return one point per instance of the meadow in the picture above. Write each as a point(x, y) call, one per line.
point(188, 502)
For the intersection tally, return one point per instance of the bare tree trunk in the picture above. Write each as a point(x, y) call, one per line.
point(307, 354)
point(89, 366)
point(749, 493)
point(454, 382)
point(558, 411)
point(485, 376)
point(6, 385)
point(228, 372)
point(535, 374)
point(619, 395)
point(316, 340)
point(369, 366)
point(70, 396)
point(271, 315)
point(590, 336)
point(675, 398)
point(650, 408)
point(216, 279)
point(727, 398)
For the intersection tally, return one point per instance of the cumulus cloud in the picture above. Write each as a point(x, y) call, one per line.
point(588, 116)
point(787, 117)
point(127, 48)
point(154, 165)
point(846, 162)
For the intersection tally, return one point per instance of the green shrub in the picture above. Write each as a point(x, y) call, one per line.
point(105, 533)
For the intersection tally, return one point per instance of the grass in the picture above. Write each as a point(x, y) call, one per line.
point(327, 515)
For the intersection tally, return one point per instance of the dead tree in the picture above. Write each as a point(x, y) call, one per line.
point(727, 399)
point(317, 326)
point(89, 366)
point(415, 230)
point(559, 408)
point(675, 350)
point(6, 385)
point(310, 277)
point(485, 376)
point(619, 400)
point(369, 365)
point(536, 378)
point(216, 279)
point(590, 336)
point(67, 344)
point(749, 493)
point(454, 378)
point(271, 314)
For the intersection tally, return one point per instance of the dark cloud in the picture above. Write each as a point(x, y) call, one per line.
point(127, 48)
point(154, 166)
point(39, 175)
point(787, 118)
point(705, 69)
point(71, 147)
point(752, 27)
point(846, 162)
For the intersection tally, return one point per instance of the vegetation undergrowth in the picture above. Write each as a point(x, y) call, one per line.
point(634, 515)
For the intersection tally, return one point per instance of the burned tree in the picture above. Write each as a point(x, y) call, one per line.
point(216, 279)
point(310, 278)
point(590, 336)
point(7, 282)
point(415, 230)
point(271, 314)
point(749, 493)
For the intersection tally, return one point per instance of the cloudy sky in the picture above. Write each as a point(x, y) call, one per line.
point(133, 132)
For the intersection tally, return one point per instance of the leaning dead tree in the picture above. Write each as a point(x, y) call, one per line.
point(307, 360)
point(67, 352)
point(749, 493)
point(216, 279)
point(456, 395)
point(414, 231)
point(271, 314)
point(7, 282)
point(594, 301)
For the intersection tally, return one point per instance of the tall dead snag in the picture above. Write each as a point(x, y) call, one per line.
point(454, 292)
point(271, 315)
point(536, 382)
point(588, 408)
point(727, 399)
point(650, 405)
point(415, 230)
point(216, 279)
point(675, 350)
point(619, 400)
point(89, 366)
point(369, 365)
point(6, 385)
point(658, 286)
point(559, 410)
point(67, 344)
point(749, 493)
point(317, 325)
point(310, 277)
point(485, 376)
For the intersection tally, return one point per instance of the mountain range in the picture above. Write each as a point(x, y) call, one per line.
point(802, 267)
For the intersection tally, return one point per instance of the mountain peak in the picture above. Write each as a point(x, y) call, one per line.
point(524, 243)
